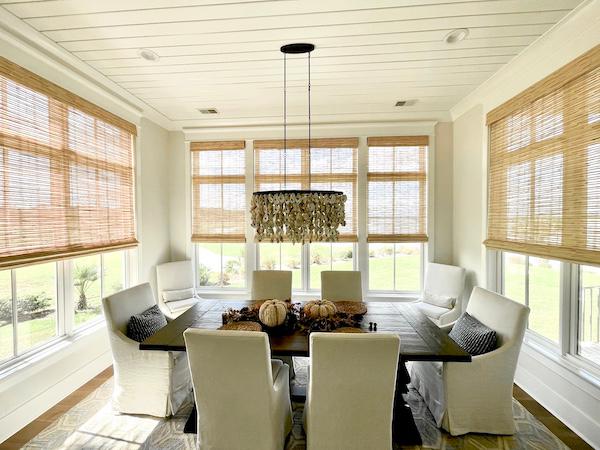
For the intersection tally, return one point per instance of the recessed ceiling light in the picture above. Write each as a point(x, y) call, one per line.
point(148, 55)
point(457, 35)
point(208, 110)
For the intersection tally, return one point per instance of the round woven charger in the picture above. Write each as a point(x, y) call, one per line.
point(242, 326)
point(351, 308)
point(347, 330)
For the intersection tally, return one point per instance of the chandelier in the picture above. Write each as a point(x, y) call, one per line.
point(299, 216)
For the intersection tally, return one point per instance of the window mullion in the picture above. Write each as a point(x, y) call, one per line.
point(13, 290)
point(564, 317)
point(61, 310)
point(67, 289)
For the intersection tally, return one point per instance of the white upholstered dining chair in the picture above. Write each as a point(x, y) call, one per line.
point(146, 381)
point(341, 285)
point(351, 389)
point(271, 284)
point(441, 300)
point(476, 397)
point(242, 395)
point(175, 285)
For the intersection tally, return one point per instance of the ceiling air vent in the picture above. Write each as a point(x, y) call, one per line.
point(208, 111)
point(405, 102)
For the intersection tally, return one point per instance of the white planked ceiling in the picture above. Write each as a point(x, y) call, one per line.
point(225, 54)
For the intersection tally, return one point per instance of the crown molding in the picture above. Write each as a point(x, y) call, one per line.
point(29, 48)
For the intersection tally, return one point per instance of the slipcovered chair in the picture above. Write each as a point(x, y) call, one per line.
point(442, 294)
point(352, 381)
point(175, 285)
point(148, 382)
point(342, 285)
point(242, 395)
point(476, 397)
point(271, 284)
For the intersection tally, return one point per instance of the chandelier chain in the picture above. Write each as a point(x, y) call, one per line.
point(284, 121)
point(309, 124)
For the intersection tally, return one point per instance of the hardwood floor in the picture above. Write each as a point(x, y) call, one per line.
point(23, 436)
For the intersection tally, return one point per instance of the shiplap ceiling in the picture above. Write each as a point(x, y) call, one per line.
point(225, 54)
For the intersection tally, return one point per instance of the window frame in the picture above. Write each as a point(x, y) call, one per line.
point(65, 314)
point(566, 351)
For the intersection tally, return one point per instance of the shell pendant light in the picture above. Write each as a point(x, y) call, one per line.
point(297, 216)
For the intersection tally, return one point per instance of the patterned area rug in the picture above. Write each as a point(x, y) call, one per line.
point(91, 424)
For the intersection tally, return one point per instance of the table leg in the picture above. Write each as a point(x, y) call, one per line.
point(192, 422)
point(404, 429)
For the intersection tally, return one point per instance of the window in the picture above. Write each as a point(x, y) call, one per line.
point(397, 212)
point(330, 165)
point(395, 267)
point(221, 265)
point(94, 277)
point(35, 298)
point(329, 256)
point(397, 176)
point(67, 173)
point(218, 213)
point(588, 342)
point(282, 257)
point(544, 167)
point(544, 204)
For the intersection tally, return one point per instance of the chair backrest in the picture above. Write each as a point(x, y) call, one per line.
point(507, 317)
point(271, 284)
point(351, 390)
point(174, 276)
point(339, 285)
point(442, 279)
point(233, 387)
point(118, 308)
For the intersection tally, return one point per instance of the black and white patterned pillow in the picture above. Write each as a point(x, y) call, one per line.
point(473, 336)
point(144, 325)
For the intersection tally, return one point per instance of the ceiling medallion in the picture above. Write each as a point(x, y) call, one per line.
point(297, 216)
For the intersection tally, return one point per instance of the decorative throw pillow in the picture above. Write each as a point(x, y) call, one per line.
point(442, 301)
point(144, 325)
point(473, 336)
point(177, 294)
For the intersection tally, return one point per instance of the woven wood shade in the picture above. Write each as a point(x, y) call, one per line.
point(397, 189)
point(544, 180)
point(218, 191)
point(66, 173)
point(333, 166)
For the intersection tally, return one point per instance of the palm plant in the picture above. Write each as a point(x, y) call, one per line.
point(84, 277)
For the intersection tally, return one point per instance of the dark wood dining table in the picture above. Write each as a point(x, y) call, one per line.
point(420, 340)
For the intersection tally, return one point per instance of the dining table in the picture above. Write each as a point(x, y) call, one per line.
point(420, 340)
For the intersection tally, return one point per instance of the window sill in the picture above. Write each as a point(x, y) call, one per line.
point(39, 354)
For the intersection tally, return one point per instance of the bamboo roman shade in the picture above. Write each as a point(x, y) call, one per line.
point(332, 165)
point(544, 171)
point(397, 189)
point(66, 172)
point(218, 191)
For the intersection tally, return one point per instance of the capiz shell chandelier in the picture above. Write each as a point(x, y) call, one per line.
point(297, 216)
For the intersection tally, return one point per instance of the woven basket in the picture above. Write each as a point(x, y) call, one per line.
point(351, 308)
point(348, 330)
point(242, 326)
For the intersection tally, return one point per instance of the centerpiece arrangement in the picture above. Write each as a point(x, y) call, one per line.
point(280, 317)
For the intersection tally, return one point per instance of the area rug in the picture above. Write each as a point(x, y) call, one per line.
point(91, 424)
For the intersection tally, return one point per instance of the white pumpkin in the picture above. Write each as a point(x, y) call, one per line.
point(273, 312)
point(318, 309)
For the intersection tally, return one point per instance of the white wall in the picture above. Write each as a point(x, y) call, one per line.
point(153, 199)
point(570, 396)
point(179, 185)
point(443, 193)
point(469, 195)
